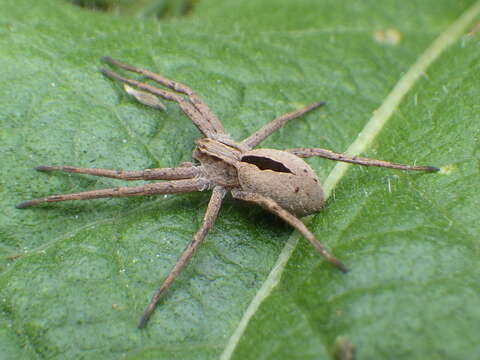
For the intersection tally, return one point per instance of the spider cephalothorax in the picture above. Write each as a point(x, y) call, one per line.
point(279, 181)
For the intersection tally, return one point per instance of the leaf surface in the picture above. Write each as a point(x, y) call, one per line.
point(74, 277)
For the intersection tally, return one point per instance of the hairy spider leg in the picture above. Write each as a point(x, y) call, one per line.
point(188, 109)
point(327, 154)
point(211, 213)
point(201, 106)
point(258, 136)
point(182, 172)
point(167, 187)
point(272, 206)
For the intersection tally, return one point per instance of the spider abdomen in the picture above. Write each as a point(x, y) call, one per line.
point(283, 177)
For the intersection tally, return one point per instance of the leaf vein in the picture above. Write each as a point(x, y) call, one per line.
point(363, 140)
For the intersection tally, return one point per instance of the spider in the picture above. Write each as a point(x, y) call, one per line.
point(279, 181)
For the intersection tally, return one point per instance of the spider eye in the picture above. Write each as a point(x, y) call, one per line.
point(265, 163)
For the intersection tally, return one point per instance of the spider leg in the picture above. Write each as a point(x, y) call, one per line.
point(273, 207)
point(327, 154)
point(261, 134)
point(214, 205)
point(201, 106)
point(182, 172)
point(167, 187)
point(188, 109)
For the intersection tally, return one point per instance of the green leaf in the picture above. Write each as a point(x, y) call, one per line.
point(75, 276)
point(162, 9)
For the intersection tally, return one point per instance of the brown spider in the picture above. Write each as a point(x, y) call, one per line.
point(279, 181)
